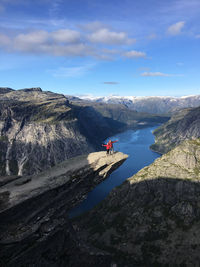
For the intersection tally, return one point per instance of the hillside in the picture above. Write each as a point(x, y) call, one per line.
point(123, 114)
point(152, 219)
point(182, 126)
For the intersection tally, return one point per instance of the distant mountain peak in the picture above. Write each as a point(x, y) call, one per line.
point(149, 104)
point(5, 90)
point(33, 89)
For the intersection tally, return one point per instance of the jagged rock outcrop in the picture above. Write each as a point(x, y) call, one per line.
point(182, 126)
point(153, 218)
point(40, 129)
point(34, 225)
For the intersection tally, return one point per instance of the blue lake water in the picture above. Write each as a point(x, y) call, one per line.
point(136, 145)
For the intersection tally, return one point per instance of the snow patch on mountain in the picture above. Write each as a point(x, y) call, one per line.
point(150, 104)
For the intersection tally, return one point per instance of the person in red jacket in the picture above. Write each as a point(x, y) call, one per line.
point(109, 147)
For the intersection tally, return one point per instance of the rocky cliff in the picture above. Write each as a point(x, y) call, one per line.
point(182, 126)
point(34, 225)
point(40, 129)
point(124, 115)
point(153, 218)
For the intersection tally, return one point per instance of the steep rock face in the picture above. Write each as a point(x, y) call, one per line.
point(152, 219)
point(34, 226)
point(182, 126)
point(40, 129)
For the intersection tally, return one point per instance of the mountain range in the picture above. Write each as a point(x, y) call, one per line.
point(150, 104)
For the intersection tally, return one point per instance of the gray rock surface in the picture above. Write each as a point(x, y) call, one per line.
point(34, 226)
point(153, 218)
point(182, 126)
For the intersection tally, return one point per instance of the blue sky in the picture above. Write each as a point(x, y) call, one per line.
point(129, 47)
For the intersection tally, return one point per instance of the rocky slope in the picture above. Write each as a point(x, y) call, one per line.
point(153, 218)
point(150, 104)
point(40, 129)
point(34, 226)
point(121, 113)
point(183, 125)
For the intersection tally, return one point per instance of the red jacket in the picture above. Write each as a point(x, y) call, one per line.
point(110, 144)
point(107, 146)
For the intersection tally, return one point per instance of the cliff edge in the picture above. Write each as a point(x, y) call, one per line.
point(34, 226)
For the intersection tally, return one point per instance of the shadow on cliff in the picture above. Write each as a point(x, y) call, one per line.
point(37, 231)
point(96, 127)
point(156, 220)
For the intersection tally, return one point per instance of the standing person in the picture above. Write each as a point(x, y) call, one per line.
point(107, 148)
point(111, 148)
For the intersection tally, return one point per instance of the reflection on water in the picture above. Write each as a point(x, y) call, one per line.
point(136, 145)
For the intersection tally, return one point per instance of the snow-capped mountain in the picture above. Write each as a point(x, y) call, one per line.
point(150, 104)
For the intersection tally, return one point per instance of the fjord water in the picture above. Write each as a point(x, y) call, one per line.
point(136, 145)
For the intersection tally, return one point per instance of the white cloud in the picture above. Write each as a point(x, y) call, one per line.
point(37, 37)
point(67, 42)
point(176, 28)
point(197, 36)
point(134, 54)
point(92, 26)
point(75, 50)
point(180, 64)
point(71, 72)
point(43, 42)
point(159, 74)
point(66, 36)
point(154, 74)
point(111, 83)
point(4, 40)
point(105, 54)
point(106, 36)
point(57, 43)
point(152, 36)
point(30, 41)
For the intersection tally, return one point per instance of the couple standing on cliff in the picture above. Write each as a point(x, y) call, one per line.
point(109, 147)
